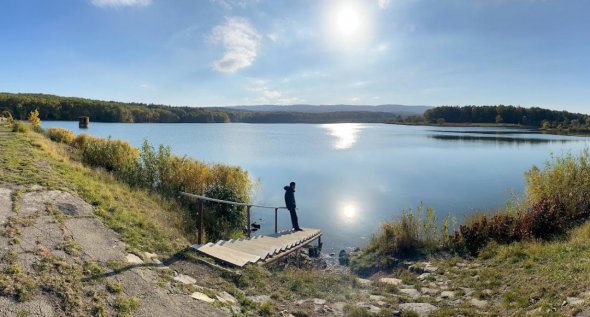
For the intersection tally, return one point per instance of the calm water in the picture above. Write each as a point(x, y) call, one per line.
point(351, 177)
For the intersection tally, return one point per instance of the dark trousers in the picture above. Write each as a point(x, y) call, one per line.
point(294, 219)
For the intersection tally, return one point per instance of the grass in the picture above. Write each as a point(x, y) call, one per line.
point(145, 221)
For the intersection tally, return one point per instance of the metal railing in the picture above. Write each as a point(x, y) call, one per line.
point(201, 211)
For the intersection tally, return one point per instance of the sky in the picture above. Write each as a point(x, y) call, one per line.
point(239, 52)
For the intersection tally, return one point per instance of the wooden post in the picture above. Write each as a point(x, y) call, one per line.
point(276, 220)
point(201, 212)
point(249, 226)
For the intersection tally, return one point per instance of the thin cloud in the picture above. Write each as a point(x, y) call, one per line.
point(121, 3)
point(383, 3)
point(231, 4)
point(241, 41)
point(268, 95)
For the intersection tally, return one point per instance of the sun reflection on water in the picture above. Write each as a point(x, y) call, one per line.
point(345, 134)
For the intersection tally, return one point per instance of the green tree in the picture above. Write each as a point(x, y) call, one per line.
point(499, 119)
point(223, 221)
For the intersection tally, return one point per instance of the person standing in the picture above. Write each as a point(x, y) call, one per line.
point(290, 202)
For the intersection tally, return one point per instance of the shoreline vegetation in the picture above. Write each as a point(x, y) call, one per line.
point(411, 267)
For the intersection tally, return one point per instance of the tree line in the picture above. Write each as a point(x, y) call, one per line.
point(52, 107)
point(535, 116)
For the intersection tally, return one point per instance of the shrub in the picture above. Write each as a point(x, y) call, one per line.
point(112, 155)
point(567, 178)
point(61, 135)
point(81, 140)
point(502, 227)
point(223, 220)
point(546, 218)
point(414, 233)
point(34, 120)
point(473, 236)
point(19, 126)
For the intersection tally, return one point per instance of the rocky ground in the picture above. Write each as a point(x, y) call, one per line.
point(57, 229)
point(54, 228)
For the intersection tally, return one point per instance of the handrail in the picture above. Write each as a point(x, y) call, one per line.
point(248, 207)
point(229, 202)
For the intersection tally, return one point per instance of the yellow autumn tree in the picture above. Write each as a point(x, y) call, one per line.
point(34, 119)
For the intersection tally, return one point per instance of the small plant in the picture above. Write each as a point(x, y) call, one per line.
point(19, 126)
point(114, 287)
point(125, 305)
point(34, 120)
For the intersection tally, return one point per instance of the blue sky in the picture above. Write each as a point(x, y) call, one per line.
point(232, 52)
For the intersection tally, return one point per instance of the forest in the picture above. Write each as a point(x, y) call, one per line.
point(533, 117)
point(52, 107)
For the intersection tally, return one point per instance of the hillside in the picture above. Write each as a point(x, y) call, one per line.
point(396, 109)
point(52, 107)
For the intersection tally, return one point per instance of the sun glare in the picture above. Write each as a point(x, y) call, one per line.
point(347, 21)
point(348, 24)
point(349, 212)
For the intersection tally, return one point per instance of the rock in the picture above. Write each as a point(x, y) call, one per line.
point(226, 298)
point(412, 292)
point(429, 291)
point(202, 297)
point(133, 259)
point(478, 303)
point(487, 292)
point(423, 276)
point(390, 281)
point(149, 255)
point(574, 301)
point(468, 291)
point(185, 279)
point(369, 307)
point(430, 269)
point(364, 282)
point(5, 204)
point(447, 294)
point(422, 309)
point(259, 299)
point(339, 308)
point(376, 298)
point(535, 312)
point(319, 301)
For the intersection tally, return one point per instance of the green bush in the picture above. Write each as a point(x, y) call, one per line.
point(566, 178)
point(112, 155)
point(61, 135)
point(223, 220)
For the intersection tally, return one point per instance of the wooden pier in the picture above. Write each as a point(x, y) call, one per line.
point(262, 249)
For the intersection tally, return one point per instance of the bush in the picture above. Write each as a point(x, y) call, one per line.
point(223, 220)
point(81, 140)
point(61, 135)
point(112, 155)
point(546, 218)
point(34, 120)
point(414, 233)
point(19, 126)
point(566, 178)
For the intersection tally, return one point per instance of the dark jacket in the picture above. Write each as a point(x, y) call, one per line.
point(290, 197)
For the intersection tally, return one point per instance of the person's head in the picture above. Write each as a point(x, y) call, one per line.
point(292, 185)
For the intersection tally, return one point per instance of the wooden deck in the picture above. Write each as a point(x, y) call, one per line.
point(259, 249)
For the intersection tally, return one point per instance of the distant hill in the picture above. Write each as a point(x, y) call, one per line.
point(397, 109)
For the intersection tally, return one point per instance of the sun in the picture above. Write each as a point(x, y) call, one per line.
point(347, 21)
point(347, 24)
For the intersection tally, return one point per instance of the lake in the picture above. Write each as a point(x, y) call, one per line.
point(352, 177)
